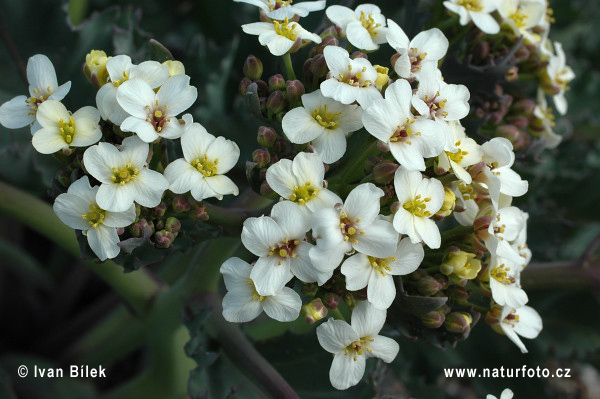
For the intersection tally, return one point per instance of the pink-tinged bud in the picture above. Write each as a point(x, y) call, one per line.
point(142, 228)
point(428, 286)
point(512, 74)
point(314, 311)
point(432, 319)
point(283, 147)
point(493, 316)
point(266, 136)
point(388, 193)
point(394, 58)
point(293, 91)
point(173, 225)
point(383, 173)
point(329, 40)
point(394, 207)
point(518, 138)
point(383, 146)
point(306, 70)
point(267, 191)
point(318, 66)
point(358, 54)
point(331, 30)
point(180, 203)
point(457, 295)
point(253, 67)
point(276, 82)
point(160, 209)
point(370, 163)
point(262, 88)
point(522, 53)
point(138, 210)
point(164, 239)
point(443, 280)
point(524, 106)
point(261, 157)
point(331, 300)
point(244, 83)
point(458, 322)
point(159, 224)
point(310, 289)
point(120, 231)
point(519, 121)
point(275, 103)
point(198, 212)
point(94, 68)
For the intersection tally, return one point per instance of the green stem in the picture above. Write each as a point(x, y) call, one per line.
point(336, 314)
point(456, 232)
point(138, 289)
point(289, 68)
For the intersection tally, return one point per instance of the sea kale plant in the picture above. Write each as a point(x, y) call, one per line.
point(378, 206)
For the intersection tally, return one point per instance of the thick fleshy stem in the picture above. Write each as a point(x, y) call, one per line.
point(289, 68)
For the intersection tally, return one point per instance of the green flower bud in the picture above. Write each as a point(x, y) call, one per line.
point(276, 82)
point(142, 228)
point(253, 67)
point(173, 225)
point(383, 173)
point(428, 286)
point(261, 157)
point(164, 239)
point(94, 68)
point(458, 322)
point(432, 319)
point(314, 311)
point(180, 203)
point(266, 136)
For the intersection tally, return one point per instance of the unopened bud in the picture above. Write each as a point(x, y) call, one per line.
point(282, 147)
point(293, 91)
point(383, 173)
point(331, 300)
point(428, 286)
point(198, 212)
point(524, 106)
point(481, 50)
point(447, 205)
point(95, 68)
point(275, 103)
point(512, 74)
point(244, 83)
point(276, 82)
point(164, 239)
point(329, 40)
point(458, 295)
point(261, 157)
point(266, 136)
point(253, 67)
point(371, 162)
point(173, 225)
point(519, 121)
point(523, 53)
point(267, 191)
point(160, 209)
point(142, 228)
point(262, 88)
point(461, 264)
point(318, 66)
point(432, 319)
point(349, 299)
point(382, 76)
point(180, 203)
point(458, 322)
point(310, 289)
point(120, 231)
point(314, 311)
point(394, 207)
point(63, 177)
point(358, 54)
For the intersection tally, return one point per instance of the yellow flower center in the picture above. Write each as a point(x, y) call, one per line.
point(304, 193)
point(125, 174)
point(381, 264)
point(284, 249)
point(403, 133)
point(471, 5)
point(157, 116)
point(95, 216)
point(285, 29)
point(274, 5)
point(369, 23)
point(118, 82)
point(458, 155)
point(519, 18)
point(255, 295)
point(35, 101)
point(325, 118)
point(355, 79)
point(67, 129)
point(348, 228)
point(466, 190)
point(500, 273)
point(418, 206)
point(358, 347)
point(205, 166)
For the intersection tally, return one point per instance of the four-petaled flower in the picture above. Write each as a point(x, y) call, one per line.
point(280, 37)
point(364, 27)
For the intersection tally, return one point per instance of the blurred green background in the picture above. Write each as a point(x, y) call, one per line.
point(48, 299)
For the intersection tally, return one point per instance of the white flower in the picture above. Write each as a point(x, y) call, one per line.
point(427, 47)
point(505, 226)
point(279, 241)
point(505, 282)
point(174, 67)
point(376, 273)
point(560, 75)
point(521, 16)
point(242, 303)
point(61, 130)
point(438, 100)
point(477, 11)
point(43, 85)
point(120, 69)
point(354, 225)
point(349, 80)
point(468, 153)
point(410, 138)
point(419, 199)
point(364, 27)
point(280, 37)
point(301, 181)
point(77, 208)
point(523, 321)
point(281, 9)
point(323, 122)
point(124, 175)
point(154, 115)
point(205, 161)
point(506, 394)
point(353, 343)
point(466, 209)
point(545, 122)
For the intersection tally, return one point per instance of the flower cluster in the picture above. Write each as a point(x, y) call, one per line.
point(350, 221)
point(123, 145)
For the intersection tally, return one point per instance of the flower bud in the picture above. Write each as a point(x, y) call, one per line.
point(120, 231)
point(328, 40)
point(310, 289)
point(525, 106)
point(282, 147)
point(382, 76)
point(481, 50)
point(244, 83)
point(519, 121)
point(266, 136)
point(461, 264)
point(428, 286)
point(142, 228)
point(458, 322)
point(180, 203)
point(293, 91)
point(267, 191)
point(314, 311)
point(94, 68)
point(262, 88)
point(198, 212)
point(447, 205)
point(349, 299)
point(394, 207)
point(512, 74)
point(358, 54)
point(253, 67)
point(331, 300)
point(523, 53)
point(173, 225)
point(318, 66)
point(261, 157)
point(164, 239)
point(383, 173)
point(63, 177)
point(458, 295)
point(275, 103)
point(432, 319)
point(160, 209)
point(383, 146)
point(276, 82)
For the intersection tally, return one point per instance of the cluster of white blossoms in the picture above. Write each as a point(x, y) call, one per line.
point(313, 232)
point(144, 102)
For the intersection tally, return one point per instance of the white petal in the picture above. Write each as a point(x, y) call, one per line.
point(239, 309)
point(261, 233)
point(151, 72)
point(384, 348)
point(100, 159)
point(396, 36)
point(103, 240)
point(48, 141)
point(408, 257)
point(270, 274)
point(226, 152)
point(116, 198)
point(291, 219)
point(281, 178)
point(41, 74)
point(404, 224)
point(222, 185)
point(50, 112)
point(134, 96)
point(381, 290)
point(485, 22)
point(359, 37)
point(429, 232)
point(177, 94)
point(335, 335)
point(300, 127)
point(363, 203)
point(14, 114)
point(69, 208)
point(357, 270)
point(330, 145)
point(283, 306)
point(530, 322)
point(135, 151)
point(149, 187)
point(120, 219)
point(182, 176)
point(367, 320)
point(346, 372)
point(195, 142)
point(433, 42)
point(235, 273)
point(379, 239)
